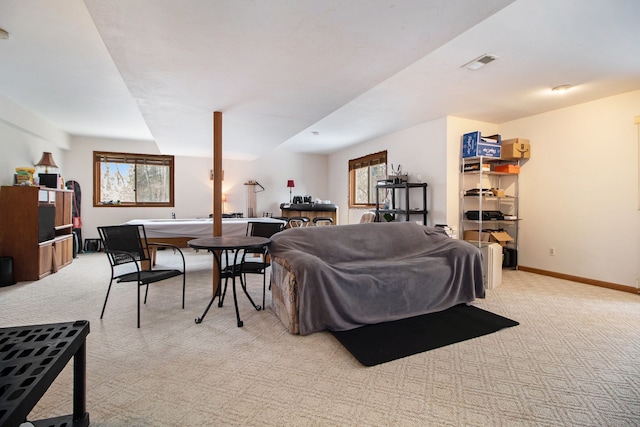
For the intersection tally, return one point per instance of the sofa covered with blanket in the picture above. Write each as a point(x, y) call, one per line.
point(347, 276)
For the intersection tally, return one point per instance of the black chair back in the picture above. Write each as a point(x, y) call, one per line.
point(283, 218)
point(263, 229)
point(131, 239)
point(260, 229)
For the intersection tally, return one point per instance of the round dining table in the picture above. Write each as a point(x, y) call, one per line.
point(224, 245)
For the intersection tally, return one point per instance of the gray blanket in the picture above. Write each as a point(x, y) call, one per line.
point(353, 275)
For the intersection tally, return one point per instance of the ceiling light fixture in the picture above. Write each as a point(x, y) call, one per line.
point(4, 34)
point(480, 61)
point(561, 89)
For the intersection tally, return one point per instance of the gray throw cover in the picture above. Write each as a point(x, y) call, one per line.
point(353, 275)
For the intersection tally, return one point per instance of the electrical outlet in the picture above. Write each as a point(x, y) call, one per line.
point(552, 251)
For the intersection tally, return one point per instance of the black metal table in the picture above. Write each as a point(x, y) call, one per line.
point(31, 357)
point(223, 245)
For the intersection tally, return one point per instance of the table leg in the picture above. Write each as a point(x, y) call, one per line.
point(199, 319)
point(235, 301)
point(235, 296)
point(244, 288)
point(230, 270)
point(218, 292)
point(221, 294)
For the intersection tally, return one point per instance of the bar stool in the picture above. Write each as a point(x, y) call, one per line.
point(298, 221)
point(322, 220)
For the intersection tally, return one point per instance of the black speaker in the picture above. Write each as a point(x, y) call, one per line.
point(6, 271)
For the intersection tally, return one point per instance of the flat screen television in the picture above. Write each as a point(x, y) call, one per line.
point(49, 180)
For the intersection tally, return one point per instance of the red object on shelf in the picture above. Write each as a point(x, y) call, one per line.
point(515, 169)
point(290, 185)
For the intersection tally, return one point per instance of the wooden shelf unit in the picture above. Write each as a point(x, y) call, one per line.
point(36, 230)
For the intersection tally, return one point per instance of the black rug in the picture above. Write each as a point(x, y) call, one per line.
point(384, 342)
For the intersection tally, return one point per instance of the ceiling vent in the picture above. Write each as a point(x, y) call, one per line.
point(480, 62)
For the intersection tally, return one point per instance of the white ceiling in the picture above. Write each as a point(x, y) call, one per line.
point(282, 70)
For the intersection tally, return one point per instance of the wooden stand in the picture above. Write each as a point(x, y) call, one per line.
point(36, 230)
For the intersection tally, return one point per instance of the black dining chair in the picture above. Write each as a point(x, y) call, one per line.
point(259, 229)
point(283, 218)
point(126, 246)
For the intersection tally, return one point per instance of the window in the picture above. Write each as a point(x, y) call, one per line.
point(363, 174)
point(125, 179)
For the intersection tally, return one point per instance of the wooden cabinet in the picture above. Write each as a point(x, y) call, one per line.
point(36, 230)
point(290, 212)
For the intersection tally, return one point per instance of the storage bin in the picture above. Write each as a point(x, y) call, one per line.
point(476, 145)
point(515, 169)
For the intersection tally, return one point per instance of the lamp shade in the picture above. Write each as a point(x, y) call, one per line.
point(47, 161)
point(290, 184)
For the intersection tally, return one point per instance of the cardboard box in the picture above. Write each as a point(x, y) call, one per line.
point(515, 169)
point(476, 145)
point(501, 237)
point(475, 167)
point(516, 148)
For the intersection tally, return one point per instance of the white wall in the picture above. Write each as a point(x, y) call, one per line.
point(420, 150)
point(579, 190)
point(193, 188)
point(431, 149)
point(273, 170)
point(24, 137)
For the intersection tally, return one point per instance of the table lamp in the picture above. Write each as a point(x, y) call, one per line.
point(47, 162)
point(290, 185)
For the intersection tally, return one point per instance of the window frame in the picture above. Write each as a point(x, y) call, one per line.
point(100, 157)
point(359, 163)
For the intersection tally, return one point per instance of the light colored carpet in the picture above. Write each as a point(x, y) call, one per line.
point(573, 360)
